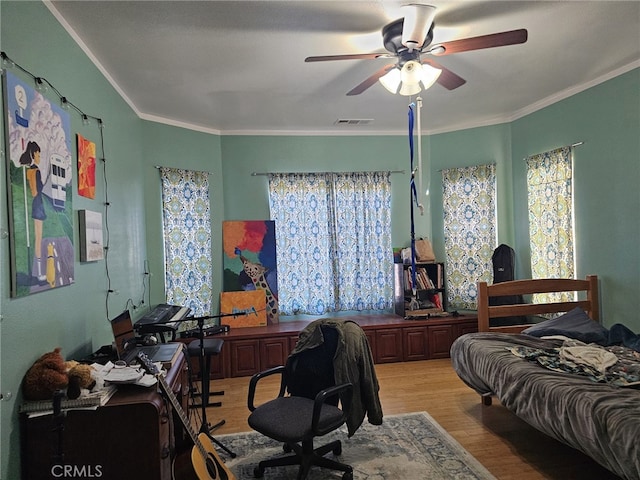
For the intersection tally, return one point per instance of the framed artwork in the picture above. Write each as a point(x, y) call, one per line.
point(86, 167)
point(250, 260)
point(248, 305)
point(91, 243)
point(39, 174)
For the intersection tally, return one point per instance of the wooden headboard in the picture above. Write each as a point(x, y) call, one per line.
point(527, 287)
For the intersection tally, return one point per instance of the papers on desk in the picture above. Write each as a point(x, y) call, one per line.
point(123, 375)
point(135, 375)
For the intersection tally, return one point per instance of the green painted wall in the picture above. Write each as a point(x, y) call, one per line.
point(75, 317)
point(172, 147)
point(246, 196)
point(606, 174)
point(605, 117)
point(466, 148)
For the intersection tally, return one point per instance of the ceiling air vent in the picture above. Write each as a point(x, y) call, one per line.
point(353, 121)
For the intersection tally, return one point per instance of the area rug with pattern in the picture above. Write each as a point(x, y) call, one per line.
point(405, 447)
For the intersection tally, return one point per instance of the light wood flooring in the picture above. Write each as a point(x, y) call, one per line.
point(508, 447)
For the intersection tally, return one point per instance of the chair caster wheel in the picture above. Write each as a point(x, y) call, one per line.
point(259, 472)
point(347, 476)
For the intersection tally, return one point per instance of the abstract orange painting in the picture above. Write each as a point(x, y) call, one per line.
point(245, 309)
point(86, 167)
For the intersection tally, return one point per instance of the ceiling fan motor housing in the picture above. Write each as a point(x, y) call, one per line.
point(392, 37)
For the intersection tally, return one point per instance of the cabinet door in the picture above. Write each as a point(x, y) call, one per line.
point(216, 367)
point(371, 338)
point(244, 357)
point(292, 343)
point(273, 352)
point(470, 327)
point(388, 345)
point(415, 343)
point(440, 339)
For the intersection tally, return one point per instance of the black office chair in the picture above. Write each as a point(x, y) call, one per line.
point(311, 409)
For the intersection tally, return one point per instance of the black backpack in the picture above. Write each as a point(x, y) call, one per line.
point(504, 259)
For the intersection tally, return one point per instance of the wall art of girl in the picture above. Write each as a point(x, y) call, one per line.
point(31, 157)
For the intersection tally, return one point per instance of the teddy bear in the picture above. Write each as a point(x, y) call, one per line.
point(80, 377)
point(45, 376)
point(50, 373)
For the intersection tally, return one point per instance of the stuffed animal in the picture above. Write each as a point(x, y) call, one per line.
point(45, 376)
point(51, 373)
point(80, 377)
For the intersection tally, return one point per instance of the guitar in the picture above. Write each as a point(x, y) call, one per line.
point(205, 461)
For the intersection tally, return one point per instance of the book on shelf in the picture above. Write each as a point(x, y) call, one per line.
point(423, 280)
point(92, 400)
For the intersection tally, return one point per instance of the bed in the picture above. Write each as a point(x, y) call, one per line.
point(599, 418)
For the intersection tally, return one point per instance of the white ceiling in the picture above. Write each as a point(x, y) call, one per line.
point(238, 67)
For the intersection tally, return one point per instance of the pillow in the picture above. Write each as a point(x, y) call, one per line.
point(574, 324)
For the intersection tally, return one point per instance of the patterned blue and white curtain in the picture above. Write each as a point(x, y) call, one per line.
point(187, 239)
point(550, 201)
point(469, 203)
point(333, 237)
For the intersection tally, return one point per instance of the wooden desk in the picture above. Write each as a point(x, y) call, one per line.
point(132, 436)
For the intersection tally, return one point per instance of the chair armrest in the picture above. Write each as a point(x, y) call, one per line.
point(346, 392)
point(253, 383)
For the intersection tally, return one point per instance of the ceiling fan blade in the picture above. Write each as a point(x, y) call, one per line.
point(355, 56)
point(501, 39)
point(447, 78)
point(358, 89)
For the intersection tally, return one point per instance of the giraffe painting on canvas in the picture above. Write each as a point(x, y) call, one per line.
point(250, 261)
point(257, 274)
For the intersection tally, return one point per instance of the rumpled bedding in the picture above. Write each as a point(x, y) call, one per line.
point(596, 417)
point(616, 365)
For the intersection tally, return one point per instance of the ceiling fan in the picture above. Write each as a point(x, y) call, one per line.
point(409, 40)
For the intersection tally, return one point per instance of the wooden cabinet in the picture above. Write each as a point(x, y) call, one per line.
point(134, 432)
point(392, 339)
point(440, 339)
point(388, 346)
point(244, 357)
point(273, 352)
point(415, 346)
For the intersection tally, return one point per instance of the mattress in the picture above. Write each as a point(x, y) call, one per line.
point(599, 419)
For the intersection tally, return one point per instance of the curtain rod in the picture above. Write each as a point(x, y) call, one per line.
point(256, 174)
point(573, 145)
point(468, 166)
point(175, 168)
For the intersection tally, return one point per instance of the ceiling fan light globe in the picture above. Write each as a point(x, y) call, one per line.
point(408, 89)
point(411, 73)
point(391, 80)
point(418, 19)
point(429, 75)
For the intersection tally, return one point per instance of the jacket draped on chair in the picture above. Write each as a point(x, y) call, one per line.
point(352, 363)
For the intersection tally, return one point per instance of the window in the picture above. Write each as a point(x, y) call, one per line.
point(550, 202)
point(187, 239)
point(469, 230)
point(333, 237)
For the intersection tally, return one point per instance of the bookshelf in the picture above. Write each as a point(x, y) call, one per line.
point(430, 289)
